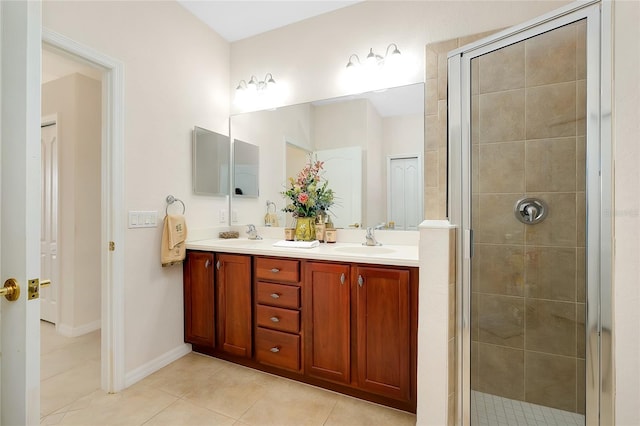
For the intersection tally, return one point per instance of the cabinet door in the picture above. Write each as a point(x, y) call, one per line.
point(199, 302)
point(383, 328)
point(234, 303)
point(326, 309)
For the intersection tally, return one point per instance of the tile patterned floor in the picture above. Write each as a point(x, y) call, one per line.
point(194, 390)
point(491, 410)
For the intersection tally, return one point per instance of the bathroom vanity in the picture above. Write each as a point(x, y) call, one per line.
point(340, 316)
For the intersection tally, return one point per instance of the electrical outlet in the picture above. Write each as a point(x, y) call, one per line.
point(234, 216)
point(223, 215)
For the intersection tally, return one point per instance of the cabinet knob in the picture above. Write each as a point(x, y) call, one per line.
point(218, 265)
point(207, 263)
point(275, 295)
point(275, 319)
point(275, 349)
point(360, 280)
point(275, 270)
point(342, 278)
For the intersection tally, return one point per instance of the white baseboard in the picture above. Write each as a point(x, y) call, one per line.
point(70, 331)
point(155, 364)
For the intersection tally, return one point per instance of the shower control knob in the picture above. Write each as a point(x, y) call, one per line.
point(530, 210)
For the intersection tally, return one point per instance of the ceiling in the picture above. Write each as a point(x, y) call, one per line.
point(240, 19)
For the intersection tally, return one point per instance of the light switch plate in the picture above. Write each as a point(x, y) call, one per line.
point(143, 219)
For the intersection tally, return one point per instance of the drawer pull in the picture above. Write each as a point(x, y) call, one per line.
point(275, 349)
point(275, 319)
point(275, 270)
point(275, 295)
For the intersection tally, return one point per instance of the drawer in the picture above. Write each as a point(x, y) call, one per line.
point(272, 269)
point(278, 349)
point(285, 296)
point(278, 318)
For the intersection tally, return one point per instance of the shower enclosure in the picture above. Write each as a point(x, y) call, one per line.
point(525, 145)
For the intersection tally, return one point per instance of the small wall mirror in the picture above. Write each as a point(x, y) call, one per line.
point(246, 158)
point(211, 152)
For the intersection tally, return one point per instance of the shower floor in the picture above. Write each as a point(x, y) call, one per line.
point(491, 410)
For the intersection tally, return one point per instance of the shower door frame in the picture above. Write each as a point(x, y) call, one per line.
point(599, 356)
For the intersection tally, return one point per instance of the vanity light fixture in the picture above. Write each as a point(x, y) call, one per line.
point(373, 58)
point(256, 86)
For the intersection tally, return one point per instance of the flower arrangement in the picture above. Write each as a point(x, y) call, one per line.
point(308, 194)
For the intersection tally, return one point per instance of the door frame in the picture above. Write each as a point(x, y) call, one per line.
point(600, 396)
point(112, 219)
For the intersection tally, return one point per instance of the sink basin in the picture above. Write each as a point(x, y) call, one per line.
point(371, 250)
point(234, 241)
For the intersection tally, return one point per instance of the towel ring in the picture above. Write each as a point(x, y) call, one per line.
point(170, 200)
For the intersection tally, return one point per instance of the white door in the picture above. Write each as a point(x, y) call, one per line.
point(49, 229)
point(20, 209)
point(343, 168)
point(404, 193)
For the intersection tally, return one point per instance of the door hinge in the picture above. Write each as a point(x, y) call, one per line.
point(112, 246)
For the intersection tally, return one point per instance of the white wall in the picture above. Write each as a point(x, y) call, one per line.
point(176, 73)
point(626, 267)
point(76, 100)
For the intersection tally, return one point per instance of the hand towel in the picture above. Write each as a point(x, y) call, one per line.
point(297, 244)
point(174, 235)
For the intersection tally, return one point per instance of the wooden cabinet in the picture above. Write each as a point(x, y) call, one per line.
point(348, 327)
point(327, 316)
point(359, 327)
point(383, 331)
point(199, 299)
point(277, 288)
point(234, 305)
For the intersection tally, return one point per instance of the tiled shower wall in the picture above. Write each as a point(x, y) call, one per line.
point(528, 281)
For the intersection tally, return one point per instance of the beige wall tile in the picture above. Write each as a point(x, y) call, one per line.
point(551, 111)
point(559, 227)
point(581, 272)
point(431, 169)
point(474, 365)
point(581, 163)
point(452, 311)
point(475, 119)
point(474, 317)
point(581, 219)
point(581, 50)
point(452, 366)
point(500, 269)
point(431, 63)
point(431, 96)
point(551, 57)
point(501, 320)
point(580, 386)
point(495, 221)
point(550, 327)
point(431, 137)
point(443, 62)
point(551, 380)
point(580, 330)
point(551, 165)
point(502, 371)
point(502, 69)
point(475, 76)
point(431, 203)
point(501, 116)
point(581, 107)
point(551, 273)
point(502, 167)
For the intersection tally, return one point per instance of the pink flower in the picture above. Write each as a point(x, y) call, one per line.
point(303, 197)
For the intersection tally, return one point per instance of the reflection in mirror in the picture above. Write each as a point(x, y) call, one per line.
point(372, 145)
point(210, 162)
point(246, 160)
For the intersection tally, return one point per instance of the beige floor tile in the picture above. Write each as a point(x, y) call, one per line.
point(64, 388)
point(185, 413)
point(291, 403)
point(353, 412)
point(69, 356)
point(232, 390)
point(133, 406)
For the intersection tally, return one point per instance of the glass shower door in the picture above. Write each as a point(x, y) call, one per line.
point(528, 215)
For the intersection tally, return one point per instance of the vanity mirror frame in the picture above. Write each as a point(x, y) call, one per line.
point(255, 126)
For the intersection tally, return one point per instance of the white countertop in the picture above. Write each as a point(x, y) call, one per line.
point(400, 255)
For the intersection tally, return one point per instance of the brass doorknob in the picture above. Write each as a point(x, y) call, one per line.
point(11, 290)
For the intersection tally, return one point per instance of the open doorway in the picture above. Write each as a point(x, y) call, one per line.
point(72, 131)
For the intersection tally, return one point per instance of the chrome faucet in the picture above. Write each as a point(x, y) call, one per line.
point(253, 232)
point(370, 238)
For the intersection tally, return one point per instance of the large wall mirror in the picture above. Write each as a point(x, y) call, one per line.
point(246, 164)
point(372, 145)
point(211, 152)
